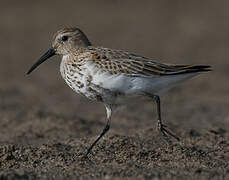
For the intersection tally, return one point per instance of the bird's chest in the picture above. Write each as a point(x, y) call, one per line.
point(80, 79)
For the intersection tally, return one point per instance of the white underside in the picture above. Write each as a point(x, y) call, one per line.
point(131, 87)
point(137, 84)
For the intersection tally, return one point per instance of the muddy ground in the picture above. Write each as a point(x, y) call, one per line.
point(45, 127)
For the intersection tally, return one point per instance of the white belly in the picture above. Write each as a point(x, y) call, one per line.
point(119, 89)
point(130, 84)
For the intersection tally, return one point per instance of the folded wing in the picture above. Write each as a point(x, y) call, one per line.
point(120, 62)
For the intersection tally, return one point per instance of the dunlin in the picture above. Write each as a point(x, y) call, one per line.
point(114, 77)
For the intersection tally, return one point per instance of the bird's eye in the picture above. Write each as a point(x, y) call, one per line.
point(64, 38)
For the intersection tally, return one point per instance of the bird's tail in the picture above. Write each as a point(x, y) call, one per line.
point(175, 75)
point(186, 69)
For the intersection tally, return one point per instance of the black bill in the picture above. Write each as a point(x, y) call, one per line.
point(48, 54)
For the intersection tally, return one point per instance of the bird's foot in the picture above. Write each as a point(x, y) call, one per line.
point(165, 132)
point(85, 153)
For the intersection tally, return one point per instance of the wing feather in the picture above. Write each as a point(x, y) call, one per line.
point(121, 62)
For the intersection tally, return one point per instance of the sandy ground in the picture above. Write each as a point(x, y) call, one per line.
point(45, 126)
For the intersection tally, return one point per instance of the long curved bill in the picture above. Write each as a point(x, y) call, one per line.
point(48, 54)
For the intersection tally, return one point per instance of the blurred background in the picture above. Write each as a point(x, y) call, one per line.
point(44, 124)
point(177, 31)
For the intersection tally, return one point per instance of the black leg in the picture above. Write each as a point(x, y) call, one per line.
point(105, 129)
point(161, 127)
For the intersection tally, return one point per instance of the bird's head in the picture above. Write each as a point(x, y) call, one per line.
point(65, 41)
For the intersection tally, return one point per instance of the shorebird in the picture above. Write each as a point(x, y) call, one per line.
point(114, 77)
